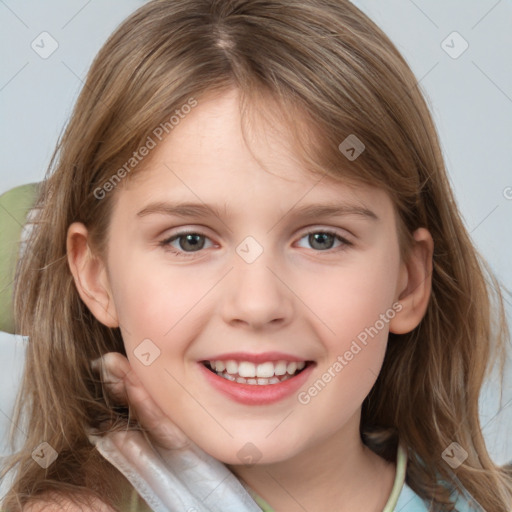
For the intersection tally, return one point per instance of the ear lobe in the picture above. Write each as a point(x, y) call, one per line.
point(90, 276)
point(415, 284)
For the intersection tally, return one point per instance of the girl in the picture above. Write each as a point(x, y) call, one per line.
point(249, 231)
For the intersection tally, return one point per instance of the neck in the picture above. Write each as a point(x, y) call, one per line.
point(338, 473)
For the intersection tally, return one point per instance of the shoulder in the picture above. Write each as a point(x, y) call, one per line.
point(410, 501)
point(130, 501)
point(61, 504)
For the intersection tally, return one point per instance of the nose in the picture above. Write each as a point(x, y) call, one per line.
point(257, 295)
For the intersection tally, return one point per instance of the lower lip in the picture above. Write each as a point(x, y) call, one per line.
point(257, 394)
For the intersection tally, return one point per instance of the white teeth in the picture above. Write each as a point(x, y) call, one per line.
point(265, 370)
point(231, 366)
point(291, 368)
point(255, 382)
point(246, 369)
point(280, 368)
point(245, 372)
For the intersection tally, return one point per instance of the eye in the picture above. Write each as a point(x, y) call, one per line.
point(184, 244)
point(324, 240)
point(187, 242)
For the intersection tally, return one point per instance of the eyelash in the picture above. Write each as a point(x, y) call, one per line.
point(166, 243)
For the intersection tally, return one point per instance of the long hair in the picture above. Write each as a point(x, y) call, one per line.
point(334, 74)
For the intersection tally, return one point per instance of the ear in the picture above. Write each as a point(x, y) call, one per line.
point(90, 275)
point(414, 284)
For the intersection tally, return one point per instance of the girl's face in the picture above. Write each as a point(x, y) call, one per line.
point(275, 274)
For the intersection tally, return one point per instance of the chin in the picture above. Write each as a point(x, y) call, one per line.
point(247, 453)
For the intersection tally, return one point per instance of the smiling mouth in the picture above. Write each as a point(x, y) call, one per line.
point(257, 375)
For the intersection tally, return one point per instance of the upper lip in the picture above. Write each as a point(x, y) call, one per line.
point(256, 358)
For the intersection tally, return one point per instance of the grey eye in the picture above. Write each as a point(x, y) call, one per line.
point(323, 240)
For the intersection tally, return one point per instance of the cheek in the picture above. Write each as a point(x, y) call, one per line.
point(169, 307)
point(351, 297)
point(355, 308)
point(157, 302)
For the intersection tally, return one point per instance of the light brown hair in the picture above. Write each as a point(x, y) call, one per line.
point(328, 62)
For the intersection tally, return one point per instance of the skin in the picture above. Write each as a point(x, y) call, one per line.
point(295, 298)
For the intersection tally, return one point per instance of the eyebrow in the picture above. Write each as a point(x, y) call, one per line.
point(187, 210)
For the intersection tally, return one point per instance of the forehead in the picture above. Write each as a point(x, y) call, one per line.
point(210, 157)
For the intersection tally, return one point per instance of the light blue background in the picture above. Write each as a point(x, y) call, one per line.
point(470, 97)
